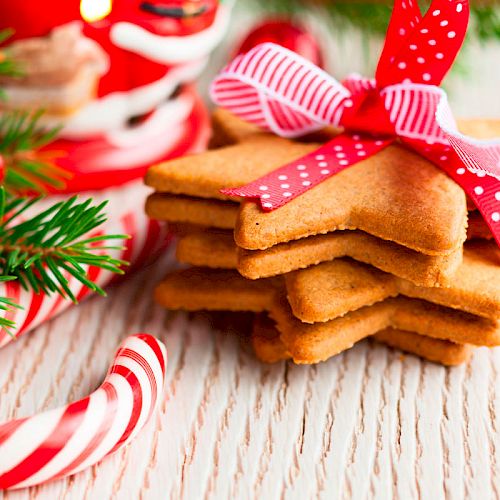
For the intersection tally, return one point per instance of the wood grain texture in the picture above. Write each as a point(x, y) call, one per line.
point(369, 423)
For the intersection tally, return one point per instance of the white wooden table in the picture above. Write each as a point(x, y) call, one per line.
point(368, 423)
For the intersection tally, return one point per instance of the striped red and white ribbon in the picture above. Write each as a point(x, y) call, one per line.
point(280, 91)
point(61, 442)
point(125, 212)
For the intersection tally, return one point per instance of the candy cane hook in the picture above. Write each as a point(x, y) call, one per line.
point(61, 442)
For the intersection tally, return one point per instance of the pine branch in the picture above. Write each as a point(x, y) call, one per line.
point(25, 167)
point(44, 250)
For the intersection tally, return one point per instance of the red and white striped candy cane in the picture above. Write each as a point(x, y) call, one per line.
point(125, 216)
point(61, 442)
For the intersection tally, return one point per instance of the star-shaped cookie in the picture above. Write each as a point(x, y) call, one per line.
point(224, 290)
point(395, 195)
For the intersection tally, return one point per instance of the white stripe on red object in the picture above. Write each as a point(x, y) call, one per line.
point(284, 83)
point(295, 97)
point(61, 442)
point(126, 215)
point(480, 156)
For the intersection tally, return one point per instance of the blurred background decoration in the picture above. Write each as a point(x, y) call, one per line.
point(373, 16)
point(115, 75)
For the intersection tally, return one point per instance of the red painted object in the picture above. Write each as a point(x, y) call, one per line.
point(288, 34)
point(144, 110)
point(32, 18)
point(98, 164)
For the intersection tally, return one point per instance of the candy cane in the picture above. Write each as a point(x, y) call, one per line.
point(58, 443)
point(125, 216)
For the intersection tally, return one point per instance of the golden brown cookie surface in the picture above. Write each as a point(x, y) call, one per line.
point(269, 348)
point(208, 289)
point(332, 289)
point(190, 210)
point(395, 195)
point(196, 289)
point(439, 351)
point(266, 341)
point(311, 343)
point(204, 248)
point(204, 175)
point(423, 270)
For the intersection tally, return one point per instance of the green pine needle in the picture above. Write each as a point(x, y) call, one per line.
point(7, 305)
point(8, 67)
point(42, 250)
point(26, 168)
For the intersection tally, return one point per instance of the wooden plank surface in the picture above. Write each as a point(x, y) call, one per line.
point(369, 423)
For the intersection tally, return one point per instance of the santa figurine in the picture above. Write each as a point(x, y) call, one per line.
point(115, 76)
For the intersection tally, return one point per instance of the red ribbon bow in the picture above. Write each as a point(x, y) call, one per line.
point(280, 91)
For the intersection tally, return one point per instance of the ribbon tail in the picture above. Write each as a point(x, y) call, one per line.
point(482, 189)
point(422, 50)
point(286, 183)
point(479, 156)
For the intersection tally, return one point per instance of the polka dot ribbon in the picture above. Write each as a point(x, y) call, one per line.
point(281, 92)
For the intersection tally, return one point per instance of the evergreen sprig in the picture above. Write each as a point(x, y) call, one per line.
point(25, 167)
point(41, 251)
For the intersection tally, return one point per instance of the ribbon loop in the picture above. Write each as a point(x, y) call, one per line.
point(280, 91)
point(412, 109)
point(481, 157)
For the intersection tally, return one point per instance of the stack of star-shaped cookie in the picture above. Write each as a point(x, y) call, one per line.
point(377, 250)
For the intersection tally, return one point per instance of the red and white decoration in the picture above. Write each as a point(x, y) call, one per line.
point(287, 33)
point(60, 442)
point(125, 216)
point(178, 127)
point(143, 111)
point(280, 91)
point(151, 55)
